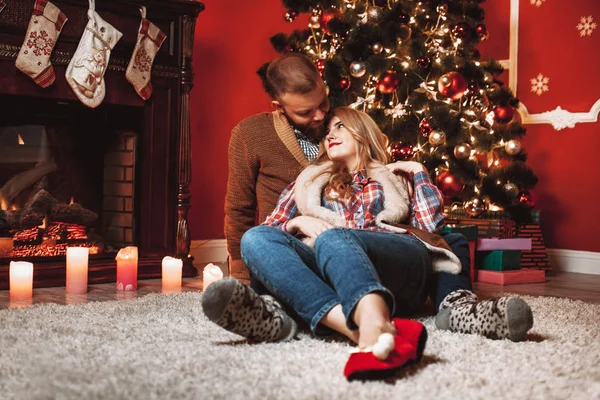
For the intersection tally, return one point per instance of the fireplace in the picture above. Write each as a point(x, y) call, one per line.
point(103, 178)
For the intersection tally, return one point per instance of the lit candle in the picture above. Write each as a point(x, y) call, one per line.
point(21, 280)
point(127, 268)
point(77, 270)
point(211, 274)
point(171, 273)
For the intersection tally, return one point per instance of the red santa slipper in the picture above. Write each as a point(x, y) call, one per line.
point(365, 366)
point(413, 332)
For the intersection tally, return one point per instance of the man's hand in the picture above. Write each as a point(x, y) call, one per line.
point(308, 226)
point(409, 168)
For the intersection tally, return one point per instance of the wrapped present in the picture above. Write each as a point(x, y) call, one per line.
point(460, 213)
point(489, 244)
point(498, 260)
point(470, 231)
point(496, 228)
point(525, 275)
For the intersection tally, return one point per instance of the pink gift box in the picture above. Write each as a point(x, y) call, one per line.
point(489, 244)
point(511, 277)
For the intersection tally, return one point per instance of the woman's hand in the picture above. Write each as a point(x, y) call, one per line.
point(409, 168)
point(308, 226)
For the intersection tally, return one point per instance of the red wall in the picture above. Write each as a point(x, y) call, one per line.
point(232, 42)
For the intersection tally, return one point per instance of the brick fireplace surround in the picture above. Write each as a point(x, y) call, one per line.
point(162, 197)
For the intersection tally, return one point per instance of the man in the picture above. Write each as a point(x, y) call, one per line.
point(266, 153)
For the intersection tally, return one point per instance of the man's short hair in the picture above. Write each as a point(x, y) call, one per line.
point(290, 73)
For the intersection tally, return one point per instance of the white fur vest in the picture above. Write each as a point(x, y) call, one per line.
point(309, 190)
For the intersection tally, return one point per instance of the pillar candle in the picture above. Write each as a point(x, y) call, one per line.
point(21, 280)
point(77, 270)
point(211, 274)
point(127, 268)
point(171, 273)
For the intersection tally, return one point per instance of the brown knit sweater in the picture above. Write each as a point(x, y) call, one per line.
point(264, 157)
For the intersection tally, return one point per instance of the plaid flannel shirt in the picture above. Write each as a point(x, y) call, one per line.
point(367, 200)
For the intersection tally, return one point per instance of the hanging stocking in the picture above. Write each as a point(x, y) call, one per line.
point(85, 72)
point(149, 40)
point(43, 31)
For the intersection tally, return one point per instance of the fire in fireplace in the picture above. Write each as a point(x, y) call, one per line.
point(67, 178)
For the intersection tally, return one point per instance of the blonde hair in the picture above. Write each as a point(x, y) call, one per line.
point(371, 146)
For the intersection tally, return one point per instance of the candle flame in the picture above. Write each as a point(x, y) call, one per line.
point(3, 203)
point(43, 225)
point(72, 200)
point(20, 140)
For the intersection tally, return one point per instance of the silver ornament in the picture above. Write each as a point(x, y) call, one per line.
point(357, 69)
point(462, 151)
point(511, 190)
point(375, 14)
point(437, 138)
point(377, 48)
point(513, 147)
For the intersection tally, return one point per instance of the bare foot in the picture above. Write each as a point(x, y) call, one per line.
point(369, 332)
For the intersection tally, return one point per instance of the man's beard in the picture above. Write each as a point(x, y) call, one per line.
point(308, 131)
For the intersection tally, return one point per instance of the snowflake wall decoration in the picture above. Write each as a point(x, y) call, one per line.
point(539, 84)
point(586, 26)
point(537, 3)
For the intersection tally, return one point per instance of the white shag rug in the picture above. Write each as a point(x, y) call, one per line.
point(163, 347)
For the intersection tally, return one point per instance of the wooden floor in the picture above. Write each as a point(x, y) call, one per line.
point(569, 285)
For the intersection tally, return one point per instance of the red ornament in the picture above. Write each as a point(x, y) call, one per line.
point(527, 198)
point(388, 82)
point(344, 83)
point(504, 113)
point(425, 127)
point(461, 30)
point(327, 16)
point(401, 152)
point(481, 31)
point(449, 184)
point(424, 62)
point(320, 63)
point(452, 85)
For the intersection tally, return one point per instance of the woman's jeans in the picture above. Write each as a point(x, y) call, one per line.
point(344, 266)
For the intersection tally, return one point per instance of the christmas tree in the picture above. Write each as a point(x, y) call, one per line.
point(414, 67)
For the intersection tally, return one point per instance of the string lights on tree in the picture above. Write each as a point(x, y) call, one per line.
point(415, 68)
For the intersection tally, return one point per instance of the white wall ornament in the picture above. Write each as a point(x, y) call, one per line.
point(559, 118)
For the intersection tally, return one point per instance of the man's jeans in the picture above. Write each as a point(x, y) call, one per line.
point(444, 283)
point(344, 266)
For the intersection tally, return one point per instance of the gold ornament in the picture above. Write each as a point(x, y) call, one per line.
point(462, 151)
point(513, 147)
point(511, 190)
point(357, 69)
point(475, 207)
point(377, 48)
point(313, 22)
point(437, 138)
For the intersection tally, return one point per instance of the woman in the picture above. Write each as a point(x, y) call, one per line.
point(363, 268)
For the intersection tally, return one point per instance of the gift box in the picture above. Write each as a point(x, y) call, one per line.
point(524, 275)
point(489, 244)
point(498, 260)
point(470, 231)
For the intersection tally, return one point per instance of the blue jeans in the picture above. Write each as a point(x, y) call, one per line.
point(444, 283)
point(344, 266)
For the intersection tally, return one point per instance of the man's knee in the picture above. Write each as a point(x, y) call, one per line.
point(456, 240)
point(254, 238)
point(330, 236)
